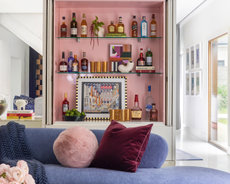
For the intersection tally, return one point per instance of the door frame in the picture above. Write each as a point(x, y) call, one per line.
point(209, 91)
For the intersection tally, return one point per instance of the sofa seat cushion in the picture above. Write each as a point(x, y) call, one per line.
point(174, 175)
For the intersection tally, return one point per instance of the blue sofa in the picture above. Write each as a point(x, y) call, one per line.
point(149, 172)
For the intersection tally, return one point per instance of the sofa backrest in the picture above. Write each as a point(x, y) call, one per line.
point(41, 142)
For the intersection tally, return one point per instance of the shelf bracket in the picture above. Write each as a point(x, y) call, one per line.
point(78, 39)
point(139, 39)
point(138, 74)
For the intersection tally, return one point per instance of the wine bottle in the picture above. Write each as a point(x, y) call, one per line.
point(73, 26)
point(149, 58)
point(65, 106)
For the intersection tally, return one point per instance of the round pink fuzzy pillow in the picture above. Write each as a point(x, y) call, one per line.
point(75, 147)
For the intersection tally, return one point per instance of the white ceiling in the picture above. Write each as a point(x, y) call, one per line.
point(185, 7)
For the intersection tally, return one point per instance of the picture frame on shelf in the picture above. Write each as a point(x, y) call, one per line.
point(96, 95)
point(187, 84)
point(192, 54)
point(198, 83)
point(119, 54)
point(198, 55)
point(192, 84)
point(187, 59)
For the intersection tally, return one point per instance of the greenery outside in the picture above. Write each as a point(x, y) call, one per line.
point(223, 102)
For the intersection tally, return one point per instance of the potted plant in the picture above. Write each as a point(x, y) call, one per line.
point(97, 30)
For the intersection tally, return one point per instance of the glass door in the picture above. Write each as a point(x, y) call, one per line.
point(218, 91)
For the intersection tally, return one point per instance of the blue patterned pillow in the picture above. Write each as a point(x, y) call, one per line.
point(29, 106)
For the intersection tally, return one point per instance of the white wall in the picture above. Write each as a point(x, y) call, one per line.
point(204, 25)
point(13, 47)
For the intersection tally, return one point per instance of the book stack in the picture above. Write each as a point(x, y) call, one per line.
point(145, 69)
point(23, 114)
point(115, 35)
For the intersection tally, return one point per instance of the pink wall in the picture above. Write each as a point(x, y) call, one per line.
point(136, 85)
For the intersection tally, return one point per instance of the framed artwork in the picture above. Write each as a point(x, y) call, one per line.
point(192, 84)
point(97, 95)
point(192, 57)
point(187, 59)
point(187, 83)
point(198, 82)
point(120, 52)
point(198, 54)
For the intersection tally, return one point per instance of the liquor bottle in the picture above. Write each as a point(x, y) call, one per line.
point(70, 62)
point(63, 28)
point(112, 28)
point(153, 26)
point(136, 111)
point(63, 64)
point(73, 25)
point(149, 58)
point(144, 27)
point(134, 27)
point(84, 63)
point(148, 104)
point(120, 26)
point(141, 60)
point(83, 27)
point(75, 65)
point(65, 106)
point(153, 113)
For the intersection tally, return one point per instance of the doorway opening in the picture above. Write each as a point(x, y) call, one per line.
point(218, 91)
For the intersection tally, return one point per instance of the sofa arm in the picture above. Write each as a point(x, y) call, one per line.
point(156, 152)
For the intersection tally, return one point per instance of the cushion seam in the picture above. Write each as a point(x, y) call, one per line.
point(142, 145)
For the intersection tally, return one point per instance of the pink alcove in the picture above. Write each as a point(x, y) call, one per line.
point(106, 12)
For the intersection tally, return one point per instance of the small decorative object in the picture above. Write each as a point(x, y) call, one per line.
point(95, 96)
point(123, 115)
point(3, 104)
point(98, 67)
point(117, 114)
point(127, 112)
point(126, 67)
point(19, 174)
point(74, 115)
point(111, 114)
point(119, 53)
point(104, 66)
point(92, 66)
point(29, 106)
point(97, 30)
point(75, 147)
point(21, 104)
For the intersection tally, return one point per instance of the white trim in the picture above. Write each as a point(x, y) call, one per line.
point(228, 149)
point(47, 66)
point(44, 112)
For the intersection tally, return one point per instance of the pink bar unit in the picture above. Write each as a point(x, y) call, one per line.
point(110, 11)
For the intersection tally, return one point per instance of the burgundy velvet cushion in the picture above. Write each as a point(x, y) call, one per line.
point(122, 148)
